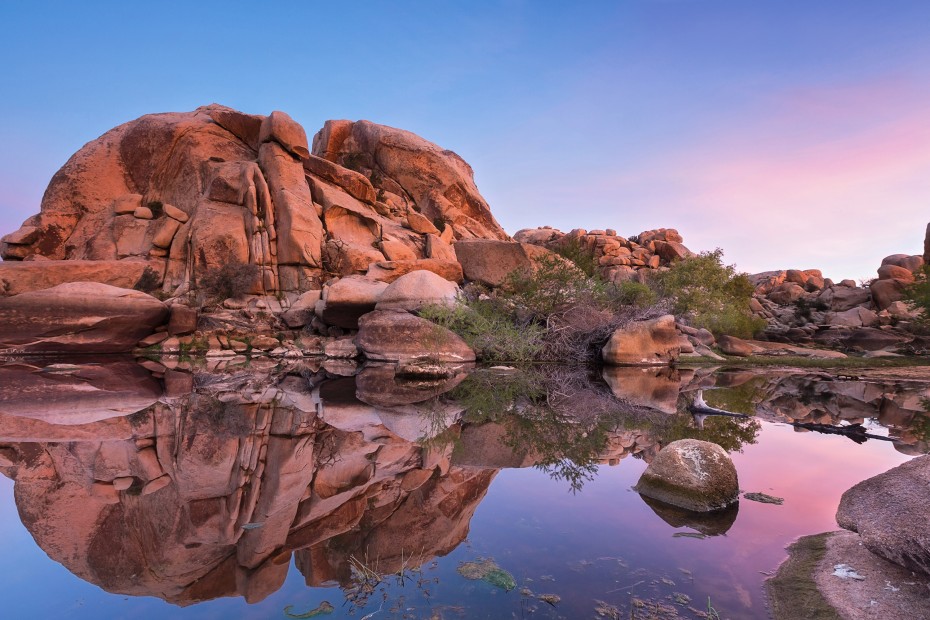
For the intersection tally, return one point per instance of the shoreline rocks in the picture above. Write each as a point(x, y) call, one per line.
point(889, 512)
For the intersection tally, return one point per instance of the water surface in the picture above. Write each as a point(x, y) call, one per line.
point(264, 491)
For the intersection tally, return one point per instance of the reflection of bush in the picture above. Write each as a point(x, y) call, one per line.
point(216, 418)
point(739, 399)
point(731, 434)
point(556, 413)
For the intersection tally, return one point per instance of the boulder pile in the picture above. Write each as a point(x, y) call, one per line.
point(617, 258)
point(801, 306)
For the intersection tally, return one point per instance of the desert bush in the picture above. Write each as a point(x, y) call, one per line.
point(632, 293)
point(712, 294)
point(494, 335)
point(231, 279)
point(582, 257)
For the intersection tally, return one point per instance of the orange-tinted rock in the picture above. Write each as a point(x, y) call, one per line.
point(417, 289)
point(893, 272)
point(420, 224)
point(388, 271)
point(731, 345)
point(356, 185)
point(438, 181)
point(80, 316)
point(886, 292)
point(24, 277)
point(490, 262)
point(401, 337)
point(649, 342)
point(183, 320)
point(287, 132)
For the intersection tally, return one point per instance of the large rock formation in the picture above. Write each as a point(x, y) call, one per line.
point(184, 193)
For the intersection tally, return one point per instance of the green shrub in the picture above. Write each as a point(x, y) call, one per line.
point(632, 293)
point(494, 335)
point(714, 295)
point(583, 258)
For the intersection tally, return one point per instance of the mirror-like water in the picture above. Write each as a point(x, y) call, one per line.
point(284, 491)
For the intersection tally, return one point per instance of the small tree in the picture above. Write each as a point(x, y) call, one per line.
point(714, 295)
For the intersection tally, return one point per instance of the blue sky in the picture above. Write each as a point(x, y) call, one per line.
point(791, 134)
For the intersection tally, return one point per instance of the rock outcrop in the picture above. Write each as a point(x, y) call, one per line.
point(617, 258)
point(803, 307)
point(691, 474)
point(184, 193)
point(399, 336)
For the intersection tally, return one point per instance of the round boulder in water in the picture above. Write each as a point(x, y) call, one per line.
point(691, 474)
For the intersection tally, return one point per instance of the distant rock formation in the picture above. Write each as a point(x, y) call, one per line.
point(804, 307)
point(616, 258)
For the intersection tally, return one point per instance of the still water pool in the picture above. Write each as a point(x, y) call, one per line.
point(291, 492)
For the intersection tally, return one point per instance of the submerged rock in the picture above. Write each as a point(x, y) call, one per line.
point(691, 474)
point(487, 570)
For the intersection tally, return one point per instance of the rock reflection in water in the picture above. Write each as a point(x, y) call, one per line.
point(208, 494)
point(714, 523)
point(146, 485)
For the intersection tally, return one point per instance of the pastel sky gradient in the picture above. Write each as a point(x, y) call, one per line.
point(789, 133)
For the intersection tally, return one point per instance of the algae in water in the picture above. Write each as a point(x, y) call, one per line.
point(487, 570)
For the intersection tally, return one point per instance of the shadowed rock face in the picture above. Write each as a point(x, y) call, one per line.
point(181, 193)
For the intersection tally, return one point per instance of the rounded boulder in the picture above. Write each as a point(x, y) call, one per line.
point(417, 289)
point(691, 474)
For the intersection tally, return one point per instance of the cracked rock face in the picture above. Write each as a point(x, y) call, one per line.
point(181, 193)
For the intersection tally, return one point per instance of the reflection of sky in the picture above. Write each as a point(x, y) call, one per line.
point(592, 544)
